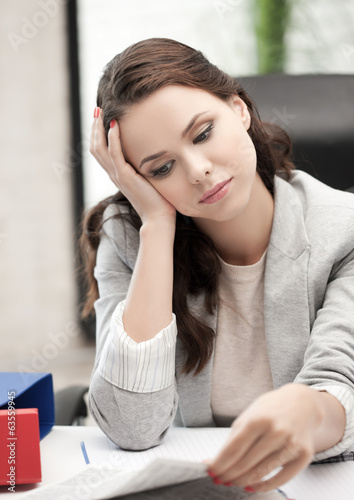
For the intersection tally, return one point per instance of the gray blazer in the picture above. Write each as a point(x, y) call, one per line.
point(308, 314)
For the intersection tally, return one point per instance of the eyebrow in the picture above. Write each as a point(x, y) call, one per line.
point(184, 133)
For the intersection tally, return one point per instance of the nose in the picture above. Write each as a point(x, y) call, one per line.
point(197, 168)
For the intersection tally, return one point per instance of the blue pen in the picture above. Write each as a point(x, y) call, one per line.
point(84, 452)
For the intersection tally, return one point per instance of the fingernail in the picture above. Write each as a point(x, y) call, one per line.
point(211, 474)
point(228, 483)
point(112, 123)
point(216, 480)
point(96, 113)
point(249, 489)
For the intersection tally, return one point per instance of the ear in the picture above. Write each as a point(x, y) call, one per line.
point(240, 107)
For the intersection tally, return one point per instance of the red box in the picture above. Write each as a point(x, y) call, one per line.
point(20, 460)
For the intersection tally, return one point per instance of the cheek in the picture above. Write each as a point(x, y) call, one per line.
point(247, 150)
point(240, 149)
point(231, 144)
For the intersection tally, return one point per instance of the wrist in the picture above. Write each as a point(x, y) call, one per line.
point(302, 396)
point(332, 421)
point(162, 227)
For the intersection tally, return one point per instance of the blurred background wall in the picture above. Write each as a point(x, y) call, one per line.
point(39, 325)
point(38, 288)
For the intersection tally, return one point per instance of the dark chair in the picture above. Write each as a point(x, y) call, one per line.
point(70, 405)
point(317, 111)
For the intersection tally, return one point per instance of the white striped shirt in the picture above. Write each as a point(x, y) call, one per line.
point(138, 367)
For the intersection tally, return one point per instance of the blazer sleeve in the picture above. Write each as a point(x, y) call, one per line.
point(329, 357)
point(132, 394)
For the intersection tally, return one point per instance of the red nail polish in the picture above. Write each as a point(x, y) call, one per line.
point(216, 480)
point(228, 483)
point(96, 113)
point(249, 489)
point(211, 474)
point(112, 123)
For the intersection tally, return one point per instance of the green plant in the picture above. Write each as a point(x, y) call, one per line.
point(271, 17)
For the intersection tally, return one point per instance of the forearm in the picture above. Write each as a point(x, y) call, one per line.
point(134, 421)
point(332, 427)
point(148, 305)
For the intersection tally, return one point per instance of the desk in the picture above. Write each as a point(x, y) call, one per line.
point(61, 457)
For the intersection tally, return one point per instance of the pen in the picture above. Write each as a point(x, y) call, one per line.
point(84, 452)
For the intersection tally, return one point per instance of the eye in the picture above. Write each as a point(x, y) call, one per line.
point(163, 171)
point(203, 136)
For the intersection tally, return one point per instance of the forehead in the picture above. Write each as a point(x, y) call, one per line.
point(180, 100)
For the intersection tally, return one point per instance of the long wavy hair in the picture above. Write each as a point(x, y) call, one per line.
point(128, 78)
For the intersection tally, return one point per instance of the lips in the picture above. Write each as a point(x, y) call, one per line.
point(213, 191)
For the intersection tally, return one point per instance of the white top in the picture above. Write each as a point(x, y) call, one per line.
point(241, 370)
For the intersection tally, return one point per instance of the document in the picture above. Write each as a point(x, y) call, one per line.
point(99, 482)
point(172, 470)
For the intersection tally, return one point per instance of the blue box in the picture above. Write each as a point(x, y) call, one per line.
point(31, 390)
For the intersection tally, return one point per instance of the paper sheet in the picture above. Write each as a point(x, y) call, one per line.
point(97, 482)
point(324, 481)
point(194, 445)
point(176, 463)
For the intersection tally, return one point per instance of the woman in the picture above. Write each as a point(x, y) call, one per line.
point(213, 235)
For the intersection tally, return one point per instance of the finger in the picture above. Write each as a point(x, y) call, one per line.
point(264, 451)
point(241, 440)
point(101, 148)
point(115, 149)
point(98, 144)
point(288, 472)
point(264, 467)
point(93, 137)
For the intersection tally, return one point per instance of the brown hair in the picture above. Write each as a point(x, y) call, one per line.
point(128, 78)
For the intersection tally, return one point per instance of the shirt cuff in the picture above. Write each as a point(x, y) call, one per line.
point(346, 398)
point(138, 367)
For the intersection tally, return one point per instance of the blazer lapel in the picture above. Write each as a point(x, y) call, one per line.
point(286, 309)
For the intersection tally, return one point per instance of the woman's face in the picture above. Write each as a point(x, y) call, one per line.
point(186, 142)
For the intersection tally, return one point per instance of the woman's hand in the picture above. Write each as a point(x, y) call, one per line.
point(148, 203)
point(277, 430)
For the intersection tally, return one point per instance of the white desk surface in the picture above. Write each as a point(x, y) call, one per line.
point(62, 457)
